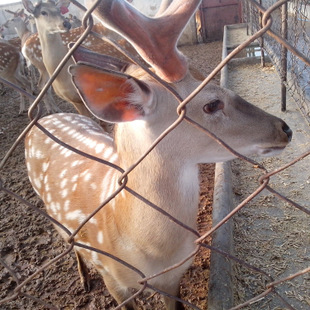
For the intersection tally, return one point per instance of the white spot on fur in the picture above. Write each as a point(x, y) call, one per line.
point(108, 152)
point(37, 183)
point(45, 166)
point(71, 132)
point(45, 179)
point(63, 173)
point(100, 237)
point(53, 207)
point(48, 198)
point(95, 257)
point(74, 178)
point(63, 183)
point(93, 221)
point(90, 143)
point(67, 205)
point(85, 172)
point(75, 215)
point(88, 176)
point(64, 193)
point(93, 186)
point(59, 217)
point(108, 185)
point(65, 152)
point(114, 158)
point(39, 154)
point(75, 163)
point(99, 148)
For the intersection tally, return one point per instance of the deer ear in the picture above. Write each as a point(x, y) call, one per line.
point(63, 6)
point(82, 54)
point(28, 5)
point(109, 95)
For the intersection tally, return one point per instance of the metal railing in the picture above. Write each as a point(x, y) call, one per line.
point(290, 54)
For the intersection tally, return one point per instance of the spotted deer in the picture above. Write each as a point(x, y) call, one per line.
point(127, 227)
point(12, 69)
point(74, 21)
point(33, 57)
point(50, 44)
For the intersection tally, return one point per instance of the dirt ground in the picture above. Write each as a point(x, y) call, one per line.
point(28, 240)
point(270, 233)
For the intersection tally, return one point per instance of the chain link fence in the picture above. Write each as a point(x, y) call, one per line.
point(291, 21)
point(258, 17)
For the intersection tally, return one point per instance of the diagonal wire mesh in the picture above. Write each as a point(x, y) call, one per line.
point(296, 36)
point(202, 239)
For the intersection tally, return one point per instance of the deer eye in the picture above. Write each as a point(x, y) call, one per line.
point(213, 106)
point(43, 13)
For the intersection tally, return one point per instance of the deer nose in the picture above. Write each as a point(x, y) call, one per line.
point(288, 131)
point(67, 24)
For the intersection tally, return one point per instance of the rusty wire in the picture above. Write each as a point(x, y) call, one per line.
point(124, 175)
point(295, 82)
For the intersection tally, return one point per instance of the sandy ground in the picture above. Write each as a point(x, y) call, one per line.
point(28, 240)
point(269, 233)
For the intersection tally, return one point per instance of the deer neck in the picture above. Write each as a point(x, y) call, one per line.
point(23, 33)
point(53, 51)
point(167, 180)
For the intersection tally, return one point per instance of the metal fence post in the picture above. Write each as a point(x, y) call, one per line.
point(262, 56)
point(284, 17)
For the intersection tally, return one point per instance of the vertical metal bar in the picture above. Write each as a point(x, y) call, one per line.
point(284, 34)
point(262, 56)
point(200, 25)
point(247, 14)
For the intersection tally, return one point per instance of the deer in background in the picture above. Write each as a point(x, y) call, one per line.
point(73, 186)
point(55, 33)
point(33, 56)
point(74, 21)
point(12, 69)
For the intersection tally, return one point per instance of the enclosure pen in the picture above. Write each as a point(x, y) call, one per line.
point(250, 247)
